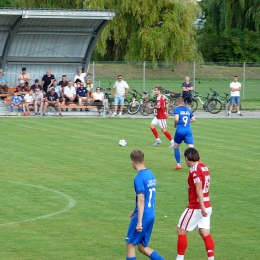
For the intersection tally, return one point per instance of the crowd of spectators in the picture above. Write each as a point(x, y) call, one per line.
point(49, 92)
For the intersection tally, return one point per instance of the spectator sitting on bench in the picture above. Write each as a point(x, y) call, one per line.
point(82, 93)
point(63, 83)
point(52, 100)
point(89, 86)
point(98, 98)
point(59, 92)
point(21, 89)
point(28, 100)
point(38, 101)
point(77, 84)
point(36, 85)
point(3, 82)
point(16, 101)
point(70, 93)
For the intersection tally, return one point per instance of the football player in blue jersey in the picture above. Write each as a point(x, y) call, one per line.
point(182, 118)
point(143, 216)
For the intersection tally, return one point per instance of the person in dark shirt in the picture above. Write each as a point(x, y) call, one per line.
point(52, 100)
point(47, 81)
point(36, 85)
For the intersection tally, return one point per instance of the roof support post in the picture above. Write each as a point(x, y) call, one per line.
point(92, 44)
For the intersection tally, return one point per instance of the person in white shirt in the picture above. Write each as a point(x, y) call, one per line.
point(28, 100)
point(98, 97)
point(235, 88)
point(81, 76)
point(70, 93)
point(120, 89)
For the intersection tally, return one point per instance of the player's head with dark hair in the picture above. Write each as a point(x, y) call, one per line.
point(192, 154)
point(180, 101)
point(159, 88)
point(137, 156)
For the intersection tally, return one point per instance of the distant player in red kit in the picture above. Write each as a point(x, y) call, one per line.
point(160, 118)
point(198, 211)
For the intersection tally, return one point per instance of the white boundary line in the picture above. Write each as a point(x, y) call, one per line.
point(70, 205)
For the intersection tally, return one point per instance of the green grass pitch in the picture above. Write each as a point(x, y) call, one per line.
point(67, 187)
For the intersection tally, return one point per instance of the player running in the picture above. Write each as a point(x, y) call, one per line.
point(182, 118)
point(160, 118)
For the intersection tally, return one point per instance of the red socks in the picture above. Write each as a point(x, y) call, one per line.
point(155, 133)
point(168, 135)
point(209, 244)
point(182, 244)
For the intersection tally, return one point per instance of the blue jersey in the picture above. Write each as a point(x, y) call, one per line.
point(145, 183)
point(16, 100)
point(183, 129)
point(185, 114)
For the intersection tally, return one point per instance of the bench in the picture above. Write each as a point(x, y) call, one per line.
point(66, 107)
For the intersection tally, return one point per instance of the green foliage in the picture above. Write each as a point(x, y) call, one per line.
point(232, 31)
point(67, 4)
point(134, 33)
point(232, 46)
point(9, 3)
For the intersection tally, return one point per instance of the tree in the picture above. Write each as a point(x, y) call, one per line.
point(143, 30)
point(231, 33)
point(227, 14)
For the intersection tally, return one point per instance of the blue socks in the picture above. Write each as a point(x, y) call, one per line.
point(177, 155)
point(155, 256)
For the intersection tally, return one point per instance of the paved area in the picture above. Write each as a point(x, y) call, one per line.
point(198, 114)
point(203, 114)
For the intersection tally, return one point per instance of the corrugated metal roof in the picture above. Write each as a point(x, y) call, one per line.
point(49, 36)
point(51, 46)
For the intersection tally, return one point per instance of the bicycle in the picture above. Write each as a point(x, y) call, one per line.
point(226, 102)
point(144, 103)
point(171, 98)
point(134, 104)
point(211, 104)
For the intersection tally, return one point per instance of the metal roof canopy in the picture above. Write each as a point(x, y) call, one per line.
point(50, 36)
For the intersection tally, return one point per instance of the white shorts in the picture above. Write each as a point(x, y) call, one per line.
point(159, 122)
point(192, 218)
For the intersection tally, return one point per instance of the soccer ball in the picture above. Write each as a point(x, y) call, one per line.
point(122, 142)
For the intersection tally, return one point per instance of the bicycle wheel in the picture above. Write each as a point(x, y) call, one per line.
point(134, 107)
point(125, 107)
point(172, 105)
point(145, 111)
point(214, 106)
point(194, 105)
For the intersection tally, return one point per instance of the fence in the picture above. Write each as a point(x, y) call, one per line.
point(170, 75)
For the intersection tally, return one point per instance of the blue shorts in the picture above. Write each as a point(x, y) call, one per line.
point(235, 99)
point(119, 100)
point(185, 136)
point(136, 238)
